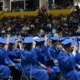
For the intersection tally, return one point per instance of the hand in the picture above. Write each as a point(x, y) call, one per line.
point(45, 38)
point(78, 66)
point(12, 65)
point(7, 41)
point(16, 44)
point(34, 44)
point(20, 45)
point(74, 49)
point(18, 60)
point(43, 66)
point(79, 42)
point(56, 61)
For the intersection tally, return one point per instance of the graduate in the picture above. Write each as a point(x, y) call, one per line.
point(29, 61)
point(14, 56)
point(5, 72)
point(77, 56)
point(53, 51)
point(41, 50)
point(42, 53)
point(66, 61)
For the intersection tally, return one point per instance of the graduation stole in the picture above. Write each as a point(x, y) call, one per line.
point(65, 51)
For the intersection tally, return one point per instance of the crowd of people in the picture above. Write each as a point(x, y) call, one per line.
point(14, 9)
point(43, 47)
point(61, 6)
point(40, 58)
point(21, 26)
point(59, 25)
point(43, 7)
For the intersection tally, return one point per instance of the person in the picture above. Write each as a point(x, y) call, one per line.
point(53, 51)
point(29, 61)
point(77, 7)
point(66, 61)
point(43, 8)
point(14, 56)
point(53, 5)
point(5, 72)
point(77, 57)
point(6, 9)
point(41, 50)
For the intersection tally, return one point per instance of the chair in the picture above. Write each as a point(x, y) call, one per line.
point(23, 75)
point(61, 75)
point(1, 78)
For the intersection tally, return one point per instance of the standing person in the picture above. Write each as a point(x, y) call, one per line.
point(29, 61)
point(43, 8)
point(66, 60)
point(53, 5)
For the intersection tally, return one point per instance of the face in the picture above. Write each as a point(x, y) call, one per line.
point(56, 43)
point(69, 49)
point(49, 43)
point(1, 45)
point(40, 46)
point(10, 46)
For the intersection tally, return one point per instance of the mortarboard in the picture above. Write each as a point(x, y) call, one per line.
point(66, 42)
point(2, 40)
point(78, 38)
point(75, 43)
point(54, 39)
point(28, 40)
point(49, 39)
point(22, 38)
point(12, 40)
point(61, 39)
point(40, 41)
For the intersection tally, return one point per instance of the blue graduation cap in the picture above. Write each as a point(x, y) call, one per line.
point(66, 42)
point(78, 38)
point(2, 40)
point(55, 39)
point(12, 40)
point(28, 40)
point(40, 41)
point(49, 39)
point(72, 37)
point(75, 43)
point(61, 39)
point(22, 38)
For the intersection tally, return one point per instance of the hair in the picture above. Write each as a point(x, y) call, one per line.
point(28, 46)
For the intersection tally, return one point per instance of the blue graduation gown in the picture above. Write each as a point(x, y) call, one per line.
point(28, 63)
point(42, 54)
point(4, 70)
point(54, 51)
point(52, 54)
point(77, 57)
point(67, 65)
point(13, 55)
point(42, 57)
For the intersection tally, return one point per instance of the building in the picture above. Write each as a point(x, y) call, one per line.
point(30, 4)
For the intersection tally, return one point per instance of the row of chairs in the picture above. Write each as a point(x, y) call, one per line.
point(25, 77)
